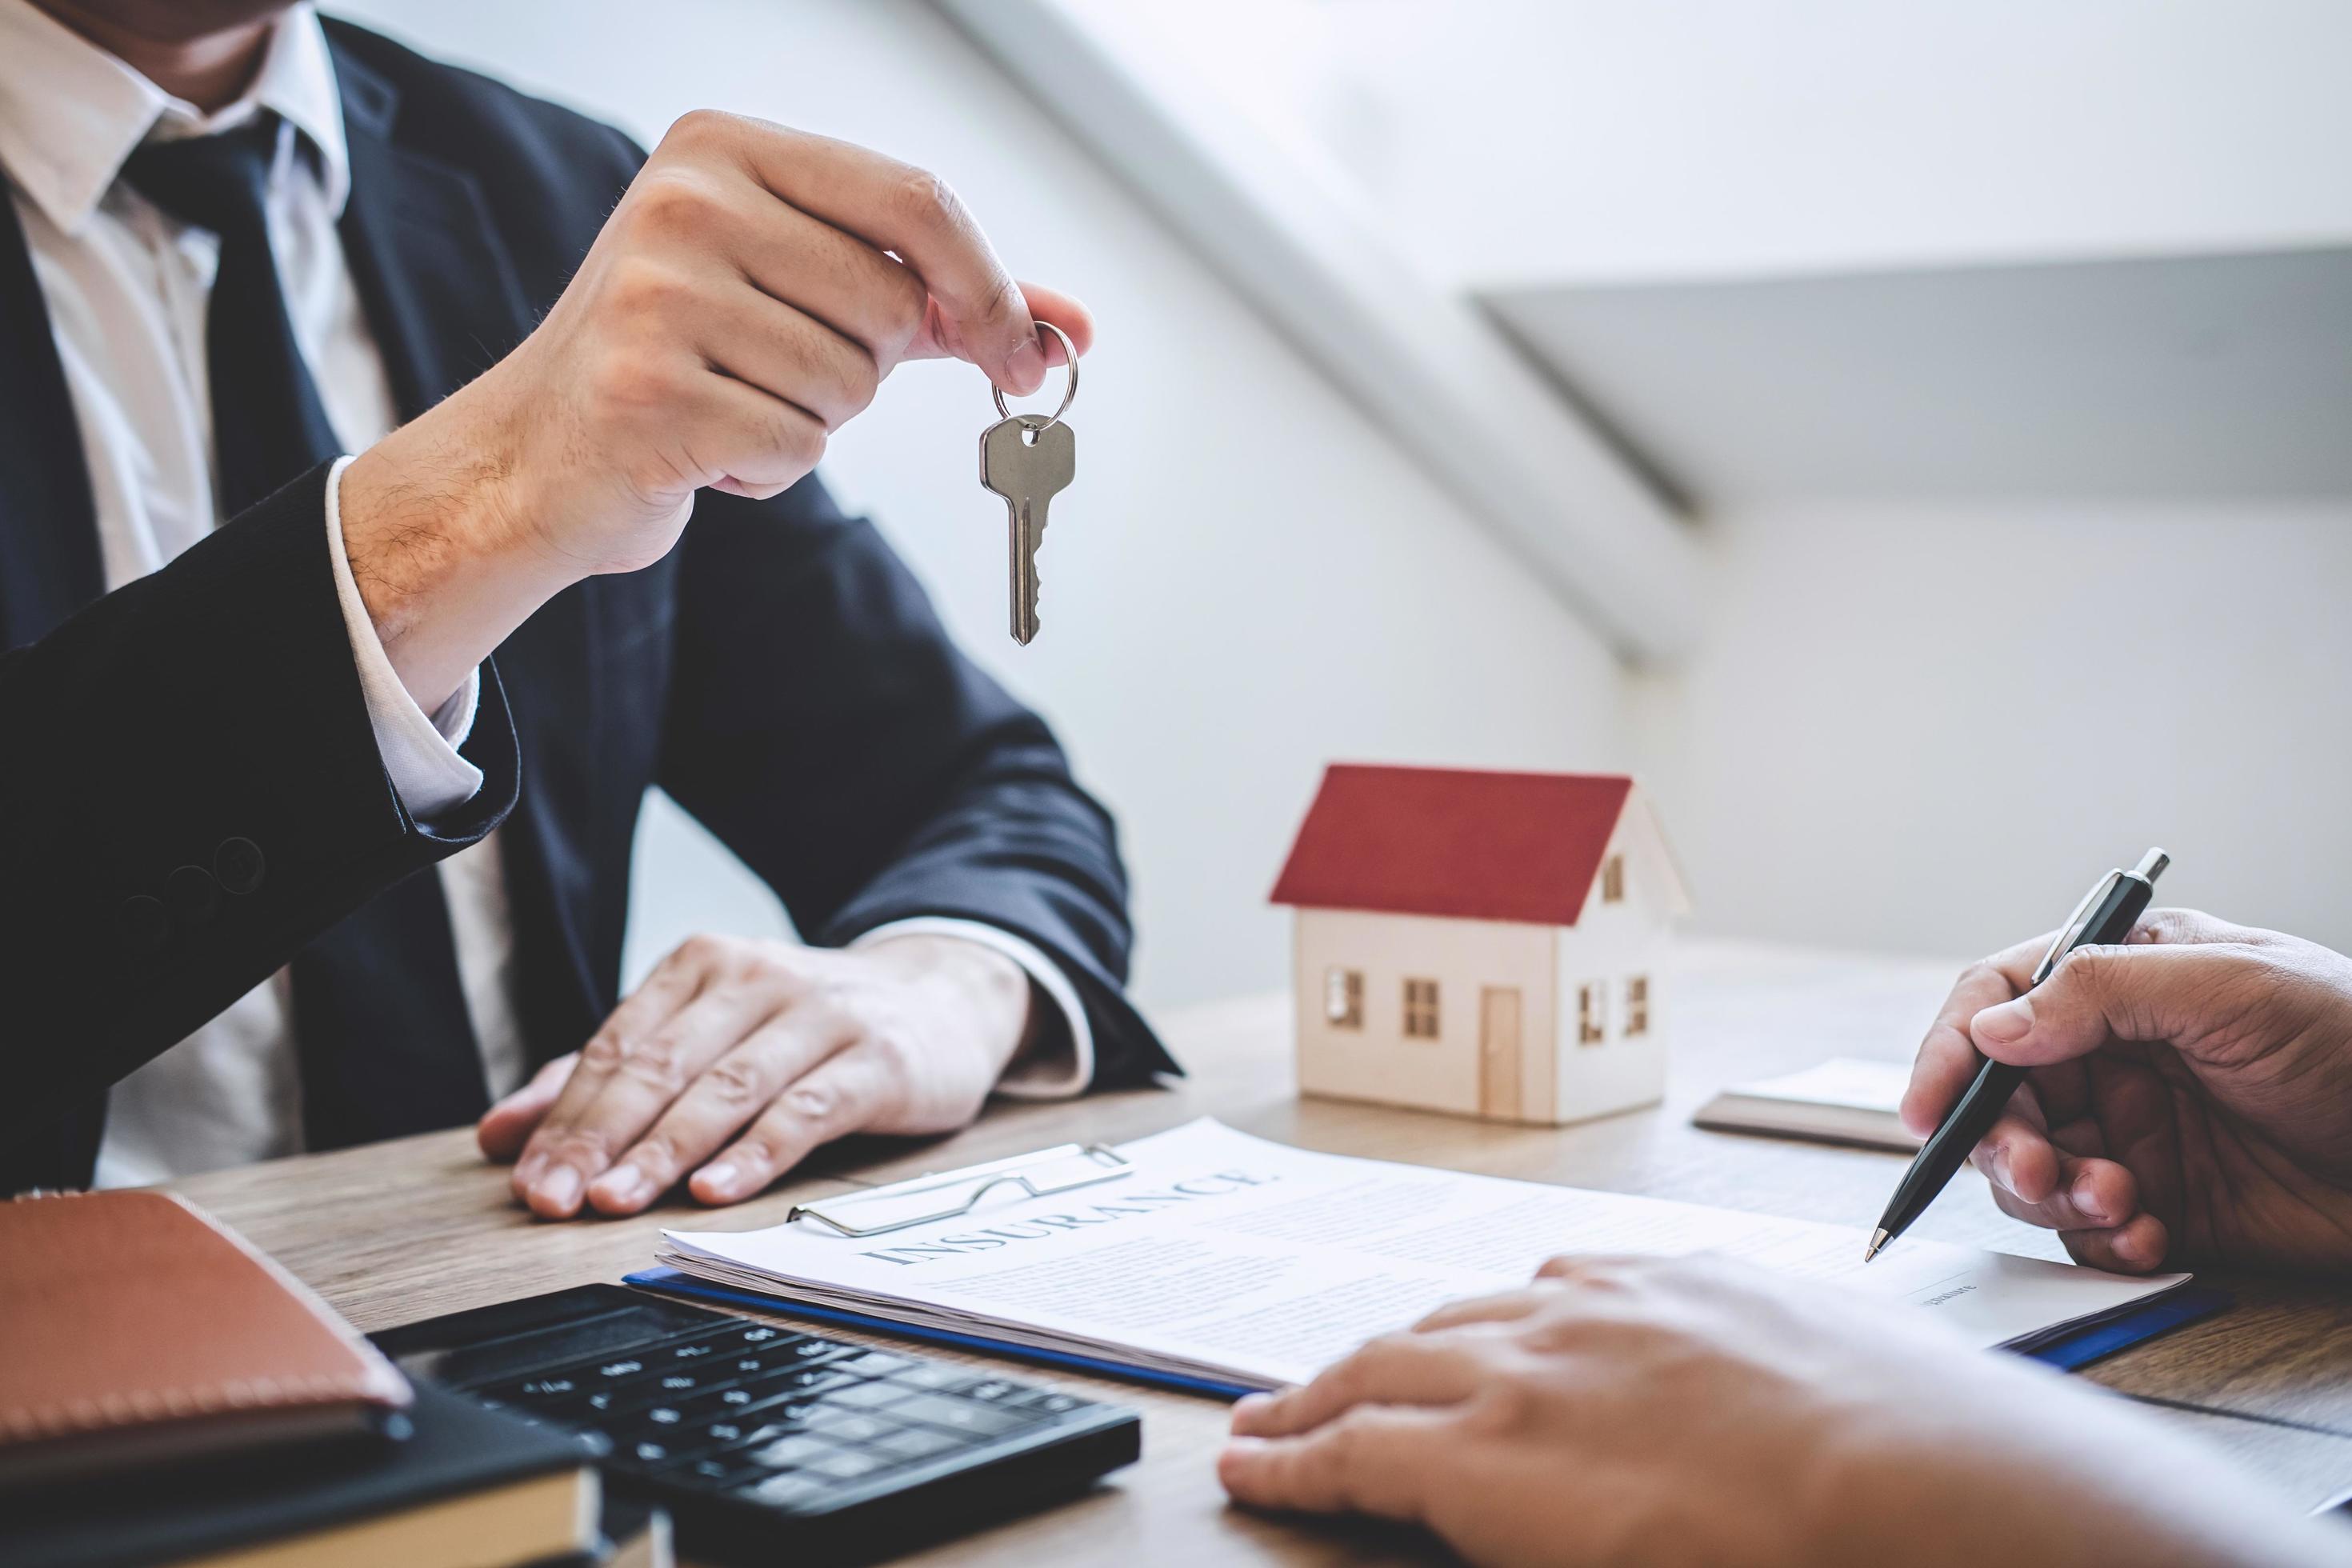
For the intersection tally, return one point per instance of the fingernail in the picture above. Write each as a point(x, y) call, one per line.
point(2086, 1201)
point(2126, 1248)
point(1027, 367)
point(722, 1176)
point(2000, 1170)
point(2009, 1022)
point(624, 1184)
point(560, 1189)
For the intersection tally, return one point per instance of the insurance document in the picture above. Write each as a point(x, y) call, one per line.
point(1223, 1257)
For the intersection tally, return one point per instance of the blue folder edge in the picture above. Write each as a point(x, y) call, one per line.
point(2079, 1349)
point(2166, 1313)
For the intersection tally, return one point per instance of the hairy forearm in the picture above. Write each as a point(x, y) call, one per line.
point(446, 574)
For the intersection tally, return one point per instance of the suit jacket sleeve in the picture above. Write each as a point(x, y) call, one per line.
point(822, 724)
point(190, 790)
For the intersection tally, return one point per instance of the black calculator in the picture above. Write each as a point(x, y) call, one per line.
point(760, 1439)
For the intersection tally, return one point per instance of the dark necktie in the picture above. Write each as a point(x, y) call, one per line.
point(383, 1037)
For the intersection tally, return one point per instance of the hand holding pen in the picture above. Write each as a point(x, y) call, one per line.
point(2188, 1094)
point(2106, 914)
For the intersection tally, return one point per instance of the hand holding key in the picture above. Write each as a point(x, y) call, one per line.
point(745, 300)
point(1029, 459)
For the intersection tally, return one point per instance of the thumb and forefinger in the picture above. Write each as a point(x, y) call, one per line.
point(975, 310)
point(2158, 985)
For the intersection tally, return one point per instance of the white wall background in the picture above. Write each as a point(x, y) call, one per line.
point(1925, 730)
point(1244, 582)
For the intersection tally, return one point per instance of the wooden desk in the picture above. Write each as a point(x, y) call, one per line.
point(408, 1229)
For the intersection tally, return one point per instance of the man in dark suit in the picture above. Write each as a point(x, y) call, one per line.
point(318, 775)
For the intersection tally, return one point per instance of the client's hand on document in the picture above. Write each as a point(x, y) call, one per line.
point(735, 1058)
point(2190, 1102)
point(744, 301)
point(1646, 1411)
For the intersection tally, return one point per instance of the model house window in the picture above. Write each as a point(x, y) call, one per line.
point(1637, 1006)
point(1420, 1009)
point(1591, 1013)
point(1343, 998)
point(1612, 879)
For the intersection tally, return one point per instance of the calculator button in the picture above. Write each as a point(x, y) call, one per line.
point(959, 1415)
point(915, 1443)
point(710, 1402)
point(763, 1335)
point(874, 1363)
point(791, 1453)
point(669, 1390)
point(934, 1375)
point(867, 1396)
point(849, 1425)
point(718, 1472)
point(847, 1465)
point(767, 1430)
point(763, 1394)
point(995, 1391)
point(789, 1490)
point(1045, 1402)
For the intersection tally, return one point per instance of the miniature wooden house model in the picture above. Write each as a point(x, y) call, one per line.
point(1481, 942)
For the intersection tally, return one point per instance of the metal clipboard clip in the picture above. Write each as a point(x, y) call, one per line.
point(948, 1194)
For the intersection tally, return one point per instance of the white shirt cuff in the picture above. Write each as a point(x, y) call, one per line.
point(420, 752)
point(1056, 1073)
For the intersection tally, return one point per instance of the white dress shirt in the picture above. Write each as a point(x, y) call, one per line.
point(127, 289)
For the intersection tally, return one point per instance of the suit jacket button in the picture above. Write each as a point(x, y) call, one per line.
point(142, 925)
point(193, 894)
point(237, 863)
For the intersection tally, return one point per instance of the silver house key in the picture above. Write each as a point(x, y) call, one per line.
point(1029, 459)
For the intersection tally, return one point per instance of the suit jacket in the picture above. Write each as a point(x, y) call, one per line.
point(189, 786)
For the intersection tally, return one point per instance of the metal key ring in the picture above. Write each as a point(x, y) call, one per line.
point(1069, 391)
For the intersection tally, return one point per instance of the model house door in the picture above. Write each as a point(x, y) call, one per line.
point(1498, 1051)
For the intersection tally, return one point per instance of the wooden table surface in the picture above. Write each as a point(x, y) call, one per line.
point(408, 1229)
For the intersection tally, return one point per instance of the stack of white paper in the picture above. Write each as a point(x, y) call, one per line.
point(1846, 1100)
point(1226, 1258)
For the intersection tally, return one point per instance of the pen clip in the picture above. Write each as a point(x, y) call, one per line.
point(2071, 931)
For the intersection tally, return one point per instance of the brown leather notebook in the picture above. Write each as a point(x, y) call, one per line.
point(140, 1329)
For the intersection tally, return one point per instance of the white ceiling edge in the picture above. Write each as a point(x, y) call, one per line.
point(1500, 279)
point(1450, 388)
point(2175, 378)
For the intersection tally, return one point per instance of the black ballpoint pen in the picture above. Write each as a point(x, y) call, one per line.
point(2106, 915)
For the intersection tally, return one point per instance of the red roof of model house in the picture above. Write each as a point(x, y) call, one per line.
point(1452, 841)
